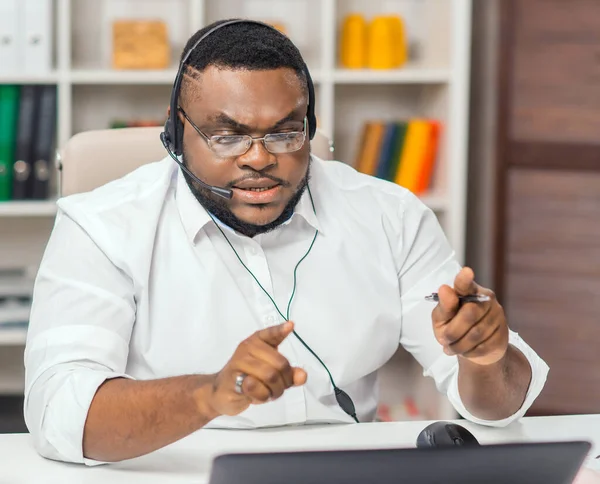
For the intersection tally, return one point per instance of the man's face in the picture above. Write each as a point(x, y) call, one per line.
point(255, 103)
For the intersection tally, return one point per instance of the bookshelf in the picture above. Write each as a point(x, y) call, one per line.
point(434, 83)
point(13, 336)
point(34, 208)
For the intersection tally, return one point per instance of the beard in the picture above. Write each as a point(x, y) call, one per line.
point(217, 206)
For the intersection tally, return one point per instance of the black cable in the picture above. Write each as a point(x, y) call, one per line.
point(343, 399)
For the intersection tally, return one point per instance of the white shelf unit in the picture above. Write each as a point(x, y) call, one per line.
point(434, 83)
point(26, 208)
point(13, 336)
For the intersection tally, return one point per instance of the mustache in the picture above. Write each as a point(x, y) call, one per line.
point(255, 176)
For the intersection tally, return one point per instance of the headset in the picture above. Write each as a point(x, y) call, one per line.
point(172, 139)
point(172, 135)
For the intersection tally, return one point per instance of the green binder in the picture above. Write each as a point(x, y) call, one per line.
point(9, 105)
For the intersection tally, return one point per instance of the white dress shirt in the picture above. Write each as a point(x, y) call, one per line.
point(137, 281)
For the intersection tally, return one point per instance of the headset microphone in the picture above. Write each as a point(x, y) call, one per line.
point(222, 192)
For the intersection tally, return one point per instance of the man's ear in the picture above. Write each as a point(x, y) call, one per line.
point(169, 112)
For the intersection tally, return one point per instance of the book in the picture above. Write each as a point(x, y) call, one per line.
point(10, 37)
point(413, 154)
point(402, 151)
point(44, 143)
point(369, 157)
point(424, 178)
point(9, 105)
point(26, 128)
point(36, 35)
point(397, 151)
point(388, 145)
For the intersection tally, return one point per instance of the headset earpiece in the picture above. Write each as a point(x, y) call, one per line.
point(178, 136)
point(311, 116)
point(167, 135)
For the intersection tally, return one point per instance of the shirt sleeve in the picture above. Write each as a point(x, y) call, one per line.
point(425, 262)
point(81, 321)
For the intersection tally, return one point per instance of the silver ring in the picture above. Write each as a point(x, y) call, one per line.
point(239, 381)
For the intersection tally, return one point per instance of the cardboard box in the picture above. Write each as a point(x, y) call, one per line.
point(140, 44)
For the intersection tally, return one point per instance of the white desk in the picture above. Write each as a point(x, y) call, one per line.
point(189, 460)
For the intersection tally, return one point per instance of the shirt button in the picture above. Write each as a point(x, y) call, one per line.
point(252, 251)
point(270, 319)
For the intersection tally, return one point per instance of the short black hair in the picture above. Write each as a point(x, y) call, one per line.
point(244, 45)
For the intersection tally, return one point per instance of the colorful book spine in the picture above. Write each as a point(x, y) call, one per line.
point(413, 155)
point(386, 154)
point(403, 152)
point(9, 107)
point(397, 151)
point(431, 151)
point(44, 143)
point(369, 157)
point(25, 135)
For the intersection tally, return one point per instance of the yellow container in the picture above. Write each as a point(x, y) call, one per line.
point(399, 41)
point(380, 50)
point(353, 42)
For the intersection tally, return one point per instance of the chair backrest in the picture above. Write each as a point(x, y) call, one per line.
point(93, 158)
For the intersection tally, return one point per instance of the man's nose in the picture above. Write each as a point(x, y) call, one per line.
point(257, 157)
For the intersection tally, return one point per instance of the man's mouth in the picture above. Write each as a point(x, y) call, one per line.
point(257, 190)
point(256, 184)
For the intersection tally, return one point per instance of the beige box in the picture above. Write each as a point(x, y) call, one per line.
point(140, 44)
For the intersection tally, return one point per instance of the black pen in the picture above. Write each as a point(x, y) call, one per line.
point(464, 299)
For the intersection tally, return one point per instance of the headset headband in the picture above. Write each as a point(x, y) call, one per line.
point(173, 131)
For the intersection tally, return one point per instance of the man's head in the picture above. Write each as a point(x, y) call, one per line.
point(246, 79)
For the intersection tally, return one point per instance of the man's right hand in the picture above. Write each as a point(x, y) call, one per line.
point(268, 372)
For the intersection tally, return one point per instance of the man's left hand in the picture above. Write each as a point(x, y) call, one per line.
point(475, 331)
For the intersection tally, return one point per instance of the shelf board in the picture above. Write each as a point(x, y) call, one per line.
point(28, 208)
point(406, 75)
point(157, 77)
point(112, 76)
point(13, 336)
point(48, 78)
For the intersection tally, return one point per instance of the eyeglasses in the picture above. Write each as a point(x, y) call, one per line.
point(238, 144)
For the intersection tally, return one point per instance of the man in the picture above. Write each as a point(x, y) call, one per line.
point(160, 306)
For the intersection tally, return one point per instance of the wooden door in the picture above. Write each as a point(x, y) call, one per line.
point(548, 192)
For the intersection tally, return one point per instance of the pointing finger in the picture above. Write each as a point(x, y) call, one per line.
point(274, 335)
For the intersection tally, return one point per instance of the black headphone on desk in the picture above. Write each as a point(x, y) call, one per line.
point(172, 135)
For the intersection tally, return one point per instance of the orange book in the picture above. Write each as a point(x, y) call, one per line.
point(413, 155)
point(431, 153)
point(369, 155)
point(359, 159)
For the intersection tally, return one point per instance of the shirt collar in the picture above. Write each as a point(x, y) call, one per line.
point(305, 209)
point(194, 216)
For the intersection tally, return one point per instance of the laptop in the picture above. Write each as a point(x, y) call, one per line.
point(518, 463)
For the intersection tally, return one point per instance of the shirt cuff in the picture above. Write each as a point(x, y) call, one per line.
point(71, 414)
point(539, 373)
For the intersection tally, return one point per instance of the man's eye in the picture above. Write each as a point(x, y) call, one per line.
point(285, 136)
point(227, 140)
